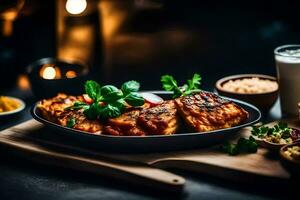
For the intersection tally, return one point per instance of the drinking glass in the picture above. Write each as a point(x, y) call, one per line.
point(287, 59)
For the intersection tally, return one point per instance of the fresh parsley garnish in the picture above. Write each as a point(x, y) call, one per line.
point(108, 100)
point(170, 84)
point(71, 122)
point(242, 146)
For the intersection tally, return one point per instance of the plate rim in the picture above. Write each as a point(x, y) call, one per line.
point(86, 133)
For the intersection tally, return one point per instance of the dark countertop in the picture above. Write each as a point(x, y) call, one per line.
point(23, 179)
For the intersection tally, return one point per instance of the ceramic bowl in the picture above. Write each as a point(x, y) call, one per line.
point(14, 112)
point(290, 164)
point(263, 101)
point(44, 88)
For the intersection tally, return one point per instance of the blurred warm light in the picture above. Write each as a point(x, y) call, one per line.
point(23, 82)
point(50, 72)
point(76, 7)
point(7, 28)
point(78, 43)
point(112, 17)
point(71, 74)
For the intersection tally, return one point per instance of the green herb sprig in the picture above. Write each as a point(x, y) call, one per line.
point(108, 100)
point(192, 85)
point(242, 146)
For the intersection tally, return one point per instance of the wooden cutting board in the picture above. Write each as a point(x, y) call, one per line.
point(33, 138)
point(29, 139)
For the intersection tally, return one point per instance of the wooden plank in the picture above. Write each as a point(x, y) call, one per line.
point(245, 167)
point(137, 174)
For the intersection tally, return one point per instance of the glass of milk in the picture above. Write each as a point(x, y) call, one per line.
point(288, 73)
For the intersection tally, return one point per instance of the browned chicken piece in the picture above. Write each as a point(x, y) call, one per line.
point(54, 110)
point(160, 120)
point(81, 122)
point(125, 125)
point(206, 111)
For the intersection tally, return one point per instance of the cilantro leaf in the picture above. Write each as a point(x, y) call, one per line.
point(192, 85)
point(170, 84)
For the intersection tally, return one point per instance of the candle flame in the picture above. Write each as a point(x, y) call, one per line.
point(76, 7)
point(49, 73)
point(71, 74)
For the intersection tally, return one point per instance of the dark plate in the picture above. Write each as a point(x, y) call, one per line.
point(153, 143)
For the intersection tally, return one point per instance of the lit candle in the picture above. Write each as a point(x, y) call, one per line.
point(71, 74)
point(50, 72)
point(76, 7)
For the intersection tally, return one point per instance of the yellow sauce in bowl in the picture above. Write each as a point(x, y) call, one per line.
point(8, 104)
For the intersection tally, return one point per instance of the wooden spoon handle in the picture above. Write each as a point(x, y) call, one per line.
point(136, 174)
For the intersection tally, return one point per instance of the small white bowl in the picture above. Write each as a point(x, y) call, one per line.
point(19, 109)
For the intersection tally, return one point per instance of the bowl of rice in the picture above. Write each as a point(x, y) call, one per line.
point(257, 89)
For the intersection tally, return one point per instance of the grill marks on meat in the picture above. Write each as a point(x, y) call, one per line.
point(202, 112)
point(82, 123)
point(206, 111)
point(160, 120)
point(125, 125)
point(54, 110)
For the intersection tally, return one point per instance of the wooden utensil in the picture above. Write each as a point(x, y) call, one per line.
point(14, 139)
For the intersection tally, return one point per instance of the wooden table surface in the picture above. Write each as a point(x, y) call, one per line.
point(23, 179)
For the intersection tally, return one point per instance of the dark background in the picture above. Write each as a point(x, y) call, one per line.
point(214, 38)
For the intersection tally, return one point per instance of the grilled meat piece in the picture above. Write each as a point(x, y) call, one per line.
point(125, 125)
point(203, 111)
point(81, 122)
point(206, 111)
point(160, 120)
point(54, 110)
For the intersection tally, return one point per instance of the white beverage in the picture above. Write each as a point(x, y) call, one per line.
point(288, 74)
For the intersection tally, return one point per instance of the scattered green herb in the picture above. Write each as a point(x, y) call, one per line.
point(170, 84)
point(108, 100)
point(71, 122)
point(230, 148)
point(279, 133)
point(281, 129)
point(77, 106)
point(242, 146)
